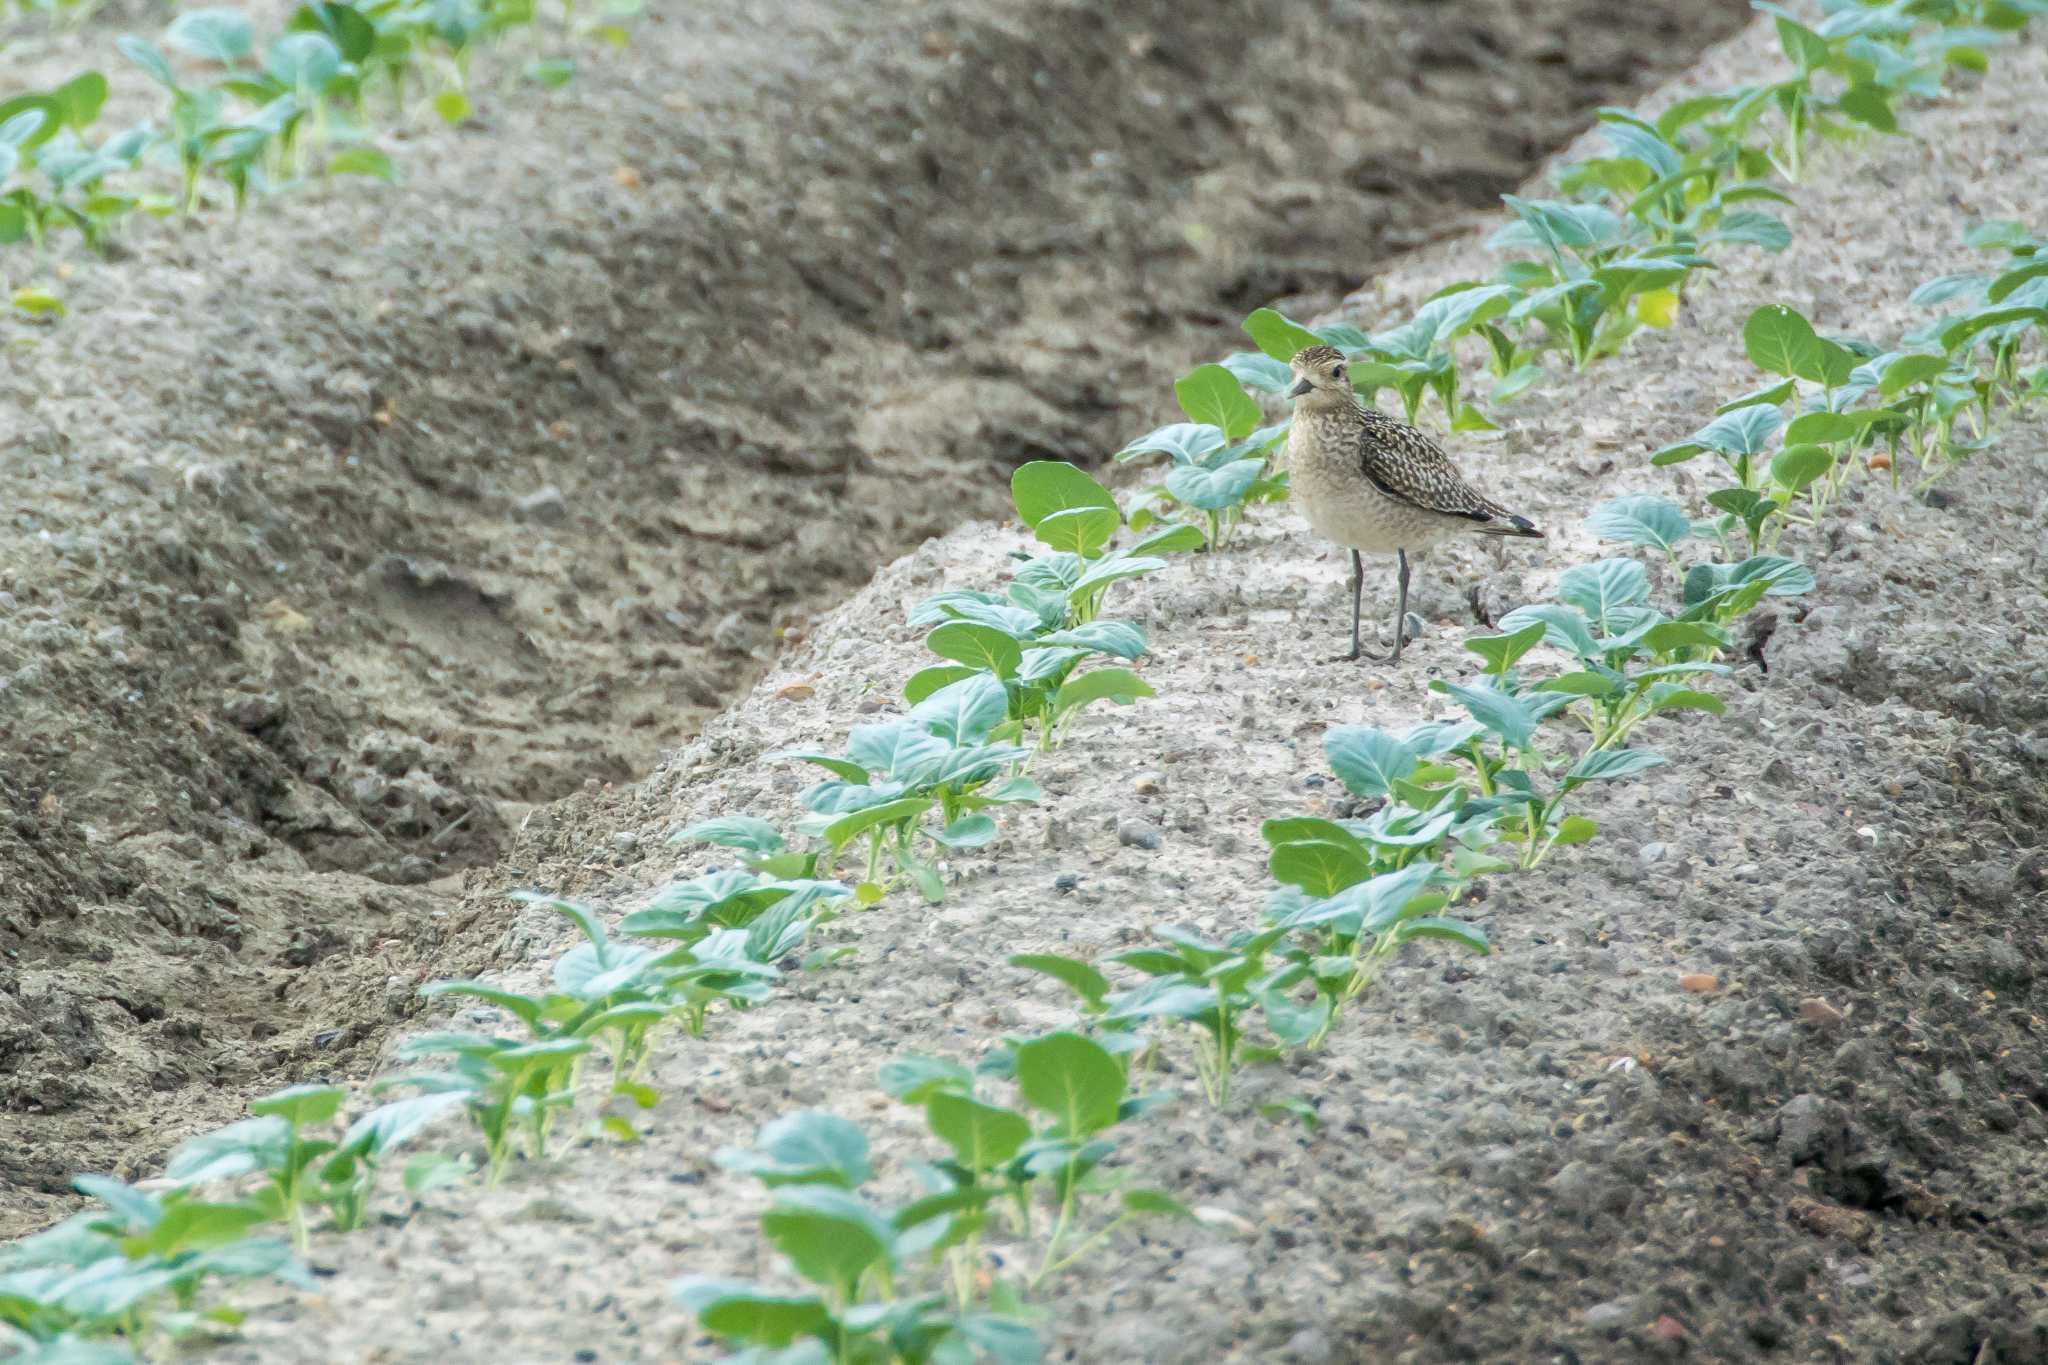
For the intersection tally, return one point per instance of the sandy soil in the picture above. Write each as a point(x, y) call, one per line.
point(339, 538)
point(1553, 1154)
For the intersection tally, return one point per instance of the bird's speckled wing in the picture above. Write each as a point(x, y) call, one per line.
point(1407, 466)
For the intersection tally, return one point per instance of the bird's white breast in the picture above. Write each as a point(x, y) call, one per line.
point(1342, 505)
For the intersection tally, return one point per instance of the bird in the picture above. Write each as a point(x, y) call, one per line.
point(1375, 485)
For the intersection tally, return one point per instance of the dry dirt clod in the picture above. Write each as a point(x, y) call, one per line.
point(1820, 1013)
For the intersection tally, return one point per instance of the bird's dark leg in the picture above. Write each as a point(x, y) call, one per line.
point(1357, 594)
point(1400, 612)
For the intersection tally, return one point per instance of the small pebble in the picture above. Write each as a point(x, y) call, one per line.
point(546, 506)
point(1067, 883)
point(1148, 784)
point(1820, 1013)
point(1137, 834)
point(1699, 983)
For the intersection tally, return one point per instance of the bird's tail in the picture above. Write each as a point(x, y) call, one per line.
point(1508, 524)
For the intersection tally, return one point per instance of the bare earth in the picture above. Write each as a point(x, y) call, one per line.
point(1555, 1153)
point(293, 630)
point(1552, 1154)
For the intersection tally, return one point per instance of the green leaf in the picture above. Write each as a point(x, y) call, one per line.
point(351, 33)
point(739, 831)
point(969, 831)
point(1258, 371)
point(1566, 627)
point(524, 1008)
point(362, 161)
point(1320, 867)
point(1212, 394)
point(1778, 339)
point(735, 1311)
point(848, 827)
point(1504, 715)
point(1741, 432)
point(452, 106)
point(1278, 336)
point(1962, 329)
point(252, 1144)
point(804, 1148)
point(1367, 761)
point(1806, 48)
point(1796, 466)
point(215, 35)
point(1501, 651)
point(1184, 442)
point(390, 1126)
point(1597, 589)
point(982, 1136)
point(1114, 684)
point(913, 1079)
point(1686, 699)
point(1436, 926)
point(1608, 765)
point(926, 681)
point(1072, 1078)
point(1908, 370)
point(1119, 638)
point(82, 97)
point(980, 647)
point(1293, 1107)
point(149, 58)
point(1751, 508)
point(830, 1236)
point(1079, 531)
point(1666, 636)
point(1575, 829)
point(37, 303)
point(552, 73)
point(964, 712)
point(1580, 684)
point(1824, 428)
point(1642, 519)
point(1086, 982)
point(1753, 227)
point(1774, 394)
point(301, 1105)
point(1212, 490)
point(2005, 284)
point(1970, 287)
point(1869, 106)
point(1043, 487)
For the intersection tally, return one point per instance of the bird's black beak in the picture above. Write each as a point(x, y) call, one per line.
point(1299, 389)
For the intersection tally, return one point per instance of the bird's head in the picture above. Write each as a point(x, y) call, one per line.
point(1322, 377)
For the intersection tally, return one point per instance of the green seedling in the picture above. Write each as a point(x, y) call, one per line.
point(1049, 1150)
point(1221, 456)
point(1416, 359)
point(137, 1264)
point(298, 1171)
point(857, 1255)
point(1594, 280)
point(1631, 662)
point(508, 1087)
point(1077, 518)
point(938, 761)
point(1214, 988)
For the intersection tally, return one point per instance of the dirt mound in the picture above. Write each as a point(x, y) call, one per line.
point(1757, 1073)
point(340, 537)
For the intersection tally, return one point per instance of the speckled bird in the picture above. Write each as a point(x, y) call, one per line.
point(1375, 485)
